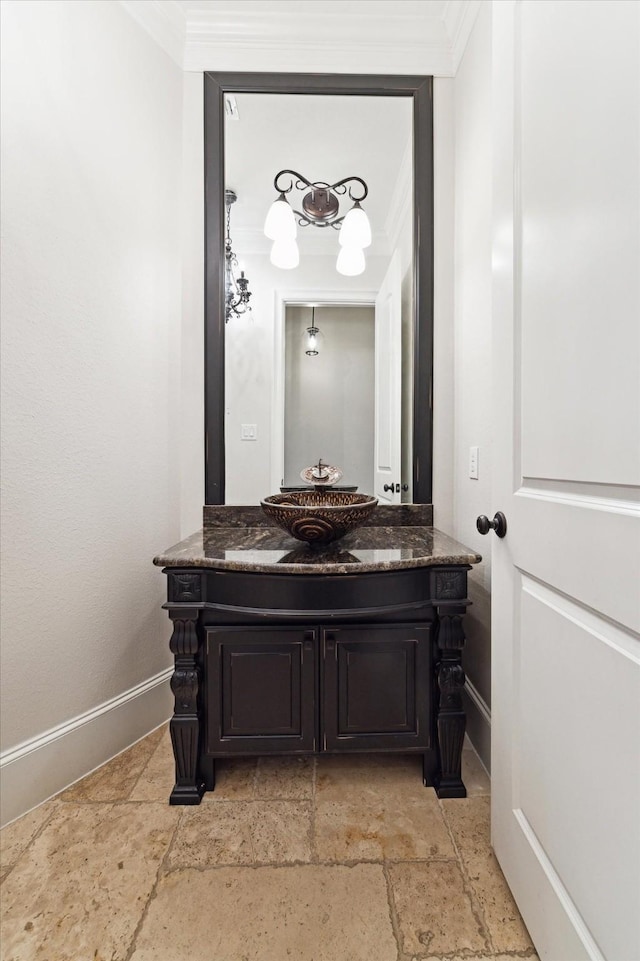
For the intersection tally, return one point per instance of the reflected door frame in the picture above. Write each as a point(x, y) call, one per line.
point(291, 298)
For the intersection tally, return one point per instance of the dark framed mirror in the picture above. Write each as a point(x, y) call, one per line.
point(420, 90)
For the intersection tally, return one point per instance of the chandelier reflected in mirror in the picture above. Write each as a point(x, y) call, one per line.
point(236, 285)
point(320, 208)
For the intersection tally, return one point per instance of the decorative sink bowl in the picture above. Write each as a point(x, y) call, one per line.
point(319, 517)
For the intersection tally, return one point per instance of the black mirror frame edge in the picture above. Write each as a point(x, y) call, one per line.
point(420, 88)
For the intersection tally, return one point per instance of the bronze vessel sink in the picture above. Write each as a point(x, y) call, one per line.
point(319, 517)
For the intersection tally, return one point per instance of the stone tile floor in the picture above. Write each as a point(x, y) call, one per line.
point(328, 859)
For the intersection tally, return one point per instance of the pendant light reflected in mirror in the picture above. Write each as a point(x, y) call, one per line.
point(313, 338)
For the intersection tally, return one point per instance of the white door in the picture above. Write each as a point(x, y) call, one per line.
point(566, 578)
point(388, 387)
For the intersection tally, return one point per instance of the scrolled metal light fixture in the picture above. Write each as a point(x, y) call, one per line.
point(236, 288)
point(320, 208)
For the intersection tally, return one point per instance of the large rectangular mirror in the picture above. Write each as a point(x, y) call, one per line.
point(372, 379)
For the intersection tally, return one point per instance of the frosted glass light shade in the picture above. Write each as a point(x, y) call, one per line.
point(285, 254)
point(313, 341)
point(280, 223)
point(351, 261)
point(356, 229)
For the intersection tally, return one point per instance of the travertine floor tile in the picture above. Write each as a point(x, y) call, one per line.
point(469, 820)
point(485, 957)
point(235, 778)
point(285, 777)
point(79, 891)
point(242, 832)
point(476, 780)
point(16, 837)
point(436, 914)
point(393, 829)
point(361, 777)
point(158, 777)
point(115, 780)
point(302, 913)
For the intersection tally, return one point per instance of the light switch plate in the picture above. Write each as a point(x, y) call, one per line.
point(473, 463)
point(249, 432)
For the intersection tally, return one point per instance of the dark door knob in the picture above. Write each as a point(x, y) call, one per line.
point(498, 524)
point(388, 487)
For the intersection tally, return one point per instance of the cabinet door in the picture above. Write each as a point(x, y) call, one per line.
point(376, 687)
point(261, 690)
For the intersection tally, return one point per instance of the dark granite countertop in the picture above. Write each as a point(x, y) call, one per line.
point(270, 550)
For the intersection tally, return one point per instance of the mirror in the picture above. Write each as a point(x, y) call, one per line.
point(279, 120)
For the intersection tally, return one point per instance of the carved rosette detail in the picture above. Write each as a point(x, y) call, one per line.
point(185, 587)
point(450, 585)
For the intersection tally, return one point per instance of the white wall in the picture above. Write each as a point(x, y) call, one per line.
point(472, 421)
point(443, 190)
point(191, 399)
point(91, 164)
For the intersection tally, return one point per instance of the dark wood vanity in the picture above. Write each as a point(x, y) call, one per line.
point(284, 649)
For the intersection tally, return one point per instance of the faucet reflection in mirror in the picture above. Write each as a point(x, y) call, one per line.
point(236, 288)
point(320, 208)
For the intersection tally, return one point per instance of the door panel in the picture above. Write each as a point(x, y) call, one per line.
point(376, 687)
point(262, 690)
point(566, 471)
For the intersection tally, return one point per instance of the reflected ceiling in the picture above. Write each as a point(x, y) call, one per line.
point(324, 138)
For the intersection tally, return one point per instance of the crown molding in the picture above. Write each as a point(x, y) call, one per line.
point(358, 57)
point(459, 16)
point(164, 21)
point(390, 37)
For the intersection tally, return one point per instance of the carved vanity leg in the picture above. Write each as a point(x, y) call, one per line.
point(185, 723)
point(451, 719)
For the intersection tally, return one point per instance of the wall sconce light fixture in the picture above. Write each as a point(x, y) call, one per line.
point(320, 208)
point(236, 286)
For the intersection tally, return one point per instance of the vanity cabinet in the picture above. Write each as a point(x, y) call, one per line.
point(303, 663)
point(299, 690)
point(261, 690)
point(375, 690)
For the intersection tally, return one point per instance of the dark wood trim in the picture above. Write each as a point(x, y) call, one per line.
point(421, 89)
point(423, 253)
point(214, 452)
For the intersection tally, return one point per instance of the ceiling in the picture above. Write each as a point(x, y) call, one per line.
point(336, 36)
point(317, 137)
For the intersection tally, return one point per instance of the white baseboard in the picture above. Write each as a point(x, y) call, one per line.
point(38, 768)
point(478, 723)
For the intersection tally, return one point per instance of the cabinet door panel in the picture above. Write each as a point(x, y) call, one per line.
point(376, 687)
point(261, 690)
